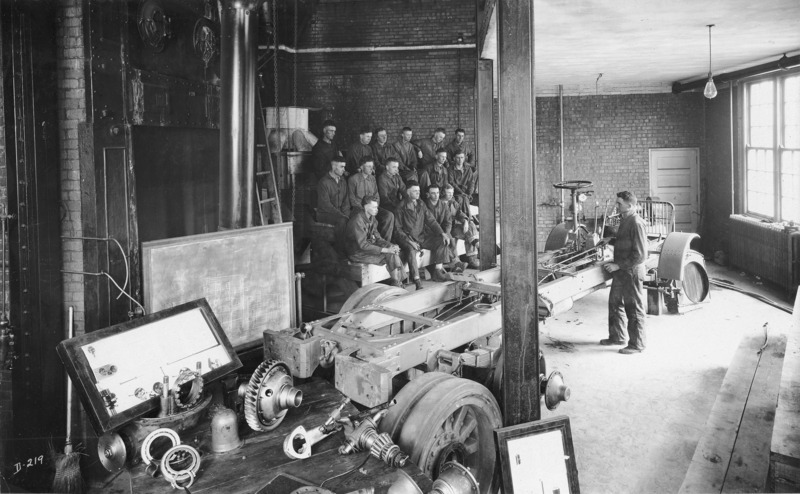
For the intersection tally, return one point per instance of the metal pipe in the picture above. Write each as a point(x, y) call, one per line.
point(357, 49)
point(298, 295)
point(784, 63)
point(561, 153)
point(733, 155)
point(239, 21)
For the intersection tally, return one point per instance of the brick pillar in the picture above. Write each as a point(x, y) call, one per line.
point(72, 104)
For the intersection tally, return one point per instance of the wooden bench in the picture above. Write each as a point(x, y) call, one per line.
point(733, 454)
point(784, 456)
point(364, 274)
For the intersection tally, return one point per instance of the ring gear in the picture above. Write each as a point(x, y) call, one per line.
point(269, 394)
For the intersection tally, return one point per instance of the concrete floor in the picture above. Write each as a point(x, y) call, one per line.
point(636, 419)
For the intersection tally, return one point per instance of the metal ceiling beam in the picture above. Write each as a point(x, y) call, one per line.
point(784, 63)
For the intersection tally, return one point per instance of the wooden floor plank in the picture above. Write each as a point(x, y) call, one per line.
point(750, 459)
point(785, 449)
point(713, 453)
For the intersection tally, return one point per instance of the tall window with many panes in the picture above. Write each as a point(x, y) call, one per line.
point(772, 147)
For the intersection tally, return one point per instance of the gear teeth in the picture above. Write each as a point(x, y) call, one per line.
point(385, 450)
point(258, 380)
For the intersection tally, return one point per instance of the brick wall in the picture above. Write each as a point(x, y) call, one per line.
point(337, 23)
point(423, 88)
point(607, 141)
point(72, 111)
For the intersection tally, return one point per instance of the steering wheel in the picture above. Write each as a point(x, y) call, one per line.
point(573, 185)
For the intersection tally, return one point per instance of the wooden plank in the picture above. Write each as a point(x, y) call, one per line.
point(484, 159)
point(713, 453)
point(785, 448)
point(750, 458)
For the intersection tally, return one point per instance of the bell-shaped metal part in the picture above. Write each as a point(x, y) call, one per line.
point(555, 390)
point(224, 430)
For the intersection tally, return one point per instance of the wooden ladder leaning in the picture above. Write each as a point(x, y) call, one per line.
point(269, 207)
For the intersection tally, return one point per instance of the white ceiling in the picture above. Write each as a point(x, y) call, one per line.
point(646, 45)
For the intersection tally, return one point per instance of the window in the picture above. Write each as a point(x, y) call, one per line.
point(772, 147)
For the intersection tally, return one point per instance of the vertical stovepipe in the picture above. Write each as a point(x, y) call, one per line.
point(237, 118)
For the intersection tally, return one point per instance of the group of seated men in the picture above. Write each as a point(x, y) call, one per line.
point(384, 221)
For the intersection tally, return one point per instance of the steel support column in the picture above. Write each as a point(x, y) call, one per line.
point(517, 124)
point(237, 119)
point(484, 135)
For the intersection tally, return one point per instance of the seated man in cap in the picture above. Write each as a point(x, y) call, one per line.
point(363, 243)
point(363, 184)
point(463, 228)
point(417, 229)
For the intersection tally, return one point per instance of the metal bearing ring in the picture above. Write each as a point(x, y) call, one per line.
point(156, 434)
point(184, 477)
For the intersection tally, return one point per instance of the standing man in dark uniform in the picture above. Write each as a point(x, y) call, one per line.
point(325, 150)
point(358, 150)
point(429, 146)
point(381, 150)
point(391, 188)
point(333, 204)
point(457, 144)
point(627, 297)
point(407, 155)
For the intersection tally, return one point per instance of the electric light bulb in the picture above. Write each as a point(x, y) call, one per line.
point(711, 90)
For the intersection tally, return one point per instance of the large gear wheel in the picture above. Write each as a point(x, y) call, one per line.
point(269, 394)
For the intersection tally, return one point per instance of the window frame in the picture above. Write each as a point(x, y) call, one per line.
point(778, 137)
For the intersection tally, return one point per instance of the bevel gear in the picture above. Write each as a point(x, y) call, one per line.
point(269, 394)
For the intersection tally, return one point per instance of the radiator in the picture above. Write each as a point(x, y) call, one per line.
point(765, 250)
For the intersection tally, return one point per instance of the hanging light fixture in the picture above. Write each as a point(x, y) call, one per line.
point(711, 90)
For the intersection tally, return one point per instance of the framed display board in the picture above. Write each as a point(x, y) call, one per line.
point(247, 276)
point(538, 457)
point(118, 371)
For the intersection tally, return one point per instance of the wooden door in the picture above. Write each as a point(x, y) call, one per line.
point(674, 178)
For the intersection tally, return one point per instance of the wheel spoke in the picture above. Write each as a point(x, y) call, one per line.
point(458, 419)
point(467, 428)
point(471, 445)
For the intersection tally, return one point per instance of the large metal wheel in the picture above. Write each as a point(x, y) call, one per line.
point(440, 418)
point(371, 294)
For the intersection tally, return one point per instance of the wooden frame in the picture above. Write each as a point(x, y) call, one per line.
point(531, 454)
point(247, 276)
point(128, 359)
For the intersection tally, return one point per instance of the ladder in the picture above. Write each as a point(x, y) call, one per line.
point(269, 207)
